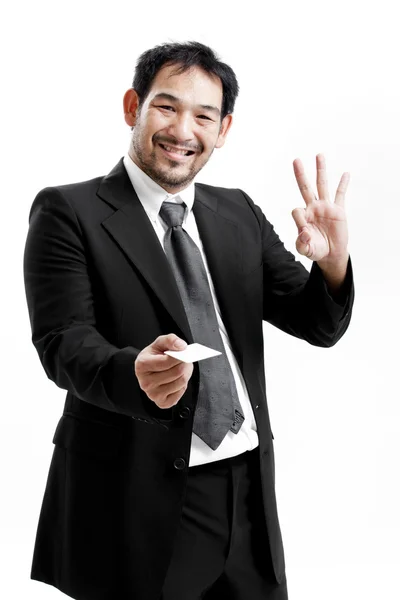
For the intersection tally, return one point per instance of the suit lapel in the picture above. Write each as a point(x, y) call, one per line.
point(132, 231)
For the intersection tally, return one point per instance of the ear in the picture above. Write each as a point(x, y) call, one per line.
point(131, 104)
point(223, 132)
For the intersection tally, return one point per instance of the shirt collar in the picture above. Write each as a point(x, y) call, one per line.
point(152, 195)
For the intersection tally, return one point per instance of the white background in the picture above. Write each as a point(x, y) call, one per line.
point(315, 77)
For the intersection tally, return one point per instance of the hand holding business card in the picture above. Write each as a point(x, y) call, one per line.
point(193, 353)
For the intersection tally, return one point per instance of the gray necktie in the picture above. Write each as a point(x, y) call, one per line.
point(218, 408)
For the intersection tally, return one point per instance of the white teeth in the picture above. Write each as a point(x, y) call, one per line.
point(174, 150)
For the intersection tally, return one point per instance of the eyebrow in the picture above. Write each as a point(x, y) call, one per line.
point(209, 107)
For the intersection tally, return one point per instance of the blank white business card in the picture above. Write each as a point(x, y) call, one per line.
point(193, 353)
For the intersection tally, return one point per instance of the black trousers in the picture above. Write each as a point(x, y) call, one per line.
point(221, 550)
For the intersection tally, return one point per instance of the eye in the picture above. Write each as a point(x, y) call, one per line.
point(166, 107)
point(205, 117)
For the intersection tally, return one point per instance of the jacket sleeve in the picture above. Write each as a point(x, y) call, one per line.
point(72, 351)
point(299, 302)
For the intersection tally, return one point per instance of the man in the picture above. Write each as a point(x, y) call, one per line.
point(162, 478)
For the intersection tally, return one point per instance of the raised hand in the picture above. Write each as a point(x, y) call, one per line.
point(322, 225)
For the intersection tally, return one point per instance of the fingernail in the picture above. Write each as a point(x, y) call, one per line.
point(304, 238)
point(180, 344)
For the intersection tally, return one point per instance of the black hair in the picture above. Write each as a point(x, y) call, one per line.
point(185, 55)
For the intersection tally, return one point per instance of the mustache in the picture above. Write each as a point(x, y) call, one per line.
point(170, 141)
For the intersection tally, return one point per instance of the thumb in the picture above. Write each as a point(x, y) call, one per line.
point(298, 215)
point(168, 342)
point(303, 243)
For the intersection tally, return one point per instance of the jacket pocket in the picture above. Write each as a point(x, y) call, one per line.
point(89, 437)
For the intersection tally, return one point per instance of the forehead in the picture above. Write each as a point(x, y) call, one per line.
point(193, 85)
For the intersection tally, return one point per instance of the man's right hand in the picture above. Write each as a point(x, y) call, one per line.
point(164, 379)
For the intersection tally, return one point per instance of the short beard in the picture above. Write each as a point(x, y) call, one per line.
point(164, 178)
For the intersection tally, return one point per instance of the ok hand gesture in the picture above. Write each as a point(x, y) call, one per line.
point(322, 225)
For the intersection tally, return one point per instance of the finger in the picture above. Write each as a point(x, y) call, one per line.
point(302, 182)
point(163, 394)
point(173, 399)
point(163, 391)
point(303, 245)
point(168, 342)
point(157, 378)
point(152, 363)
point(322, 178)
point(299, 217)
point(342, 189)
point(152, 358)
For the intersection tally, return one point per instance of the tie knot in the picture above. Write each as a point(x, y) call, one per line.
point(172, 213)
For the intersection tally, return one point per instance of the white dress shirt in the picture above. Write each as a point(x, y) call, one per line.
point(151, 196)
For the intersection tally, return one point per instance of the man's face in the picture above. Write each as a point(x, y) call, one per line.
point(177, 127)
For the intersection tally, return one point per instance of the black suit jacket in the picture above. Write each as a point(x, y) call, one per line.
point(99, 289)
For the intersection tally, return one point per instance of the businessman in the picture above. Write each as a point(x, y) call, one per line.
point(161, 484)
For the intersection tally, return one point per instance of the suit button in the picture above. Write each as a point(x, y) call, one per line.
point(258, 406)
point(184, 413)
point(179, 463)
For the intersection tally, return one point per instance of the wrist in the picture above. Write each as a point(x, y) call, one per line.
point(334, 262)
point(334, 270)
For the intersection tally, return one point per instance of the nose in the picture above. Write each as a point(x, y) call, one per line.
point(181, 127)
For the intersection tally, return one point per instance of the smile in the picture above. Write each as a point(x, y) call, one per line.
point(176, 153)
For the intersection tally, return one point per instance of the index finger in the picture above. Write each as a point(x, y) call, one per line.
point(302, 182)
point(153, 363)
point(322, 179)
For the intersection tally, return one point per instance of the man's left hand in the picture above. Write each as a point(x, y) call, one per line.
point(322, 225)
